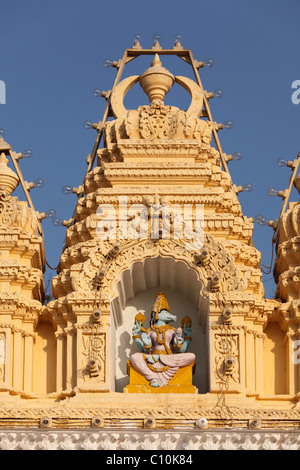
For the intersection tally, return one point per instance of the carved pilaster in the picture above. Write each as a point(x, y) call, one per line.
point(292, 368)
point(259, 363)
point(28, 362)
point(227, 359)
point(5, 366)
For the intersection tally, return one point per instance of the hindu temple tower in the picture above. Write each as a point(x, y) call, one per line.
point(157, 247)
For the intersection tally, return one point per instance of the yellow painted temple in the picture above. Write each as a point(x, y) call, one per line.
point(159, 335)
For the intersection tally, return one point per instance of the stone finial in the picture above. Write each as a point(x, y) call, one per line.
point(8, 178)
point(156, 81)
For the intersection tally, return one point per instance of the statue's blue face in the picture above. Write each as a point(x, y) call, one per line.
point(166, 316)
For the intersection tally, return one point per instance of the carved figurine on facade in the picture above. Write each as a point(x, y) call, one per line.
point(163, 348)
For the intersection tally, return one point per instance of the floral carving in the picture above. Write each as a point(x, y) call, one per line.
point(16, 213)
point(226, 345)
point(215, 439)
point(220, 260)
point(93, 346)
point(158, 121)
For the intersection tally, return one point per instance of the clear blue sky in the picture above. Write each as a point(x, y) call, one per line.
point(51, 60)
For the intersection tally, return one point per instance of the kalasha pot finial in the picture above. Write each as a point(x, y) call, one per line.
point(156, 81)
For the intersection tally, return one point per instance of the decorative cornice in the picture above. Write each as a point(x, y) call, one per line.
point(151, 440)
point(15, 329)
point(10, 302)
point(269, 417)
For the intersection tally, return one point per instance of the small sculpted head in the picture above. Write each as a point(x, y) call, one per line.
point(160, 311)
point(166, 317)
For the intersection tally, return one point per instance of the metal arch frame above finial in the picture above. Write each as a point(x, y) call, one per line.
point(286, 196)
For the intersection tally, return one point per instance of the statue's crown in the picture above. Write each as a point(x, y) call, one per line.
point(160, 304)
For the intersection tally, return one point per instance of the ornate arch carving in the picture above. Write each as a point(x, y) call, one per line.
point(214, 266)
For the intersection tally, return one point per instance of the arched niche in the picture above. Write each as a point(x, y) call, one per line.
point(137, 289)
point(44, 358)
point(274, 360)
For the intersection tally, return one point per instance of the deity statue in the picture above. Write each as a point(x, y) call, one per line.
point(163, 348)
